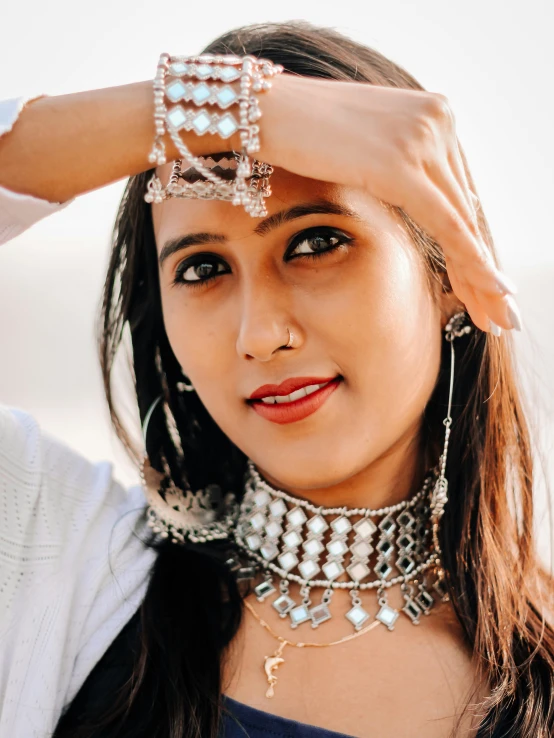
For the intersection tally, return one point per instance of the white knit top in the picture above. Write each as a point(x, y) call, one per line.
point(73, 570)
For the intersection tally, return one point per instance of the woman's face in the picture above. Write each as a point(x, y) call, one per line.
point(337, 269)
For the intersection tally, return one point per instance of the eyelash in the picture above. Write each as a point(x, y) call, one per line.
point(309, 234)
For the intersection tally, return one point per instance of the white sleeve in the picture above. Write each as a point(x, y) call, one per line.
point(73, 571)
point(19, 212)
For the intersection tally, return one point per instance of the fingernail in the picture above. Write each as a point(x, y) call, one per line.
point(513, 313)
point(496, 330)
point(505, 284)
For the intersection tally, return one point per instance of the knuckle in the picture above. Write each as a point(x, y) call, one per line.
point(432, 115)
point(437, 106)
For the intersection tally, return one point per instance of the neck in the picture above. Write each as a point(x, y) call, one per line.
point(387, 480)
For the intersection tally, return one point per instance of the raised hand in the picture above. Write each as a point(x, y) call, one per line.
point(400, 145)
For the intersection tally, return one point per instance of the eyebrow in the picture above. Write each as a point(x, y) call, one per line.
point(318, 207)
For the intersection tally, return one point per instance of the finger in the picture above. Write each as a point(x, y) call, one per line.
point(478, 314)
point(503, 310)
point(456, 161)
point(467, 296)
point(452, 181)
point(430, 207)
point(480, 278)
point(436, 214)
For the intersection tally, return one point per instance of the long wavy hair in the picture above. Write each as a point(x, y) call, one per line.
point(501, 594)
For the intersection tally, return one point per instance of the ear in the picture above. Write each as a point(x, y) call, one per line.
point(449, 303)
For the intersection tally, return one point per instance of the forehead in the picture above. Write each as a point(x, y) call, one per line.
point(176, 216)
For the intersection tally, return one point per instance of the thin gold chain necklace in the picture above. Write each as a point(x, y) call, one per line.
point(272, 663)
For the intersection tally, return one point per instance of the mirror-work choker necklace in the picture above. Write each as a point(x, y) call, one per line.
point(290, 540)
point(355, 549)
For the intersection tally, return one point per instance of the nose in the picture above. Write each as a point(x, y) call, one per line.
point(264, 322)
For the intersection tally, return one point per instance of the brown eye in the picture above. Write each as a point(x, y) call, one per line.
point(316, 242)
point(199, 269)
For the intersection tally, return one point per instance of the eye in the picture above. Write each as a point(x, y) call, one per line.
point(199, 269)
point(314, 242)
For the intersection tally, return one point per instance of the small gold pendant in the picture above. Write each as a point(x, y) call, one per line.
point(271, 664)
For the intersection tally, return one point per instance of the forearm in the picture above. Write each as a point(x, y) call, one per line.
point(63, 146)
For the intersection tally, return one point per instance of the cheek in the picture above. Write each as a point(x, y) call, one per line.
point(385, 327)
point(202, 335)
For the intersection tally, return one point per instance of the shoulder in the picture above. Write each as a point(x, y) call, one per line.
point(52, 497)
point(73, 567)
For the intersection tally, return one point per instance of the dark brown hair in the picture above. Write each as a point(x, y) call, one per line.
point(501, 595)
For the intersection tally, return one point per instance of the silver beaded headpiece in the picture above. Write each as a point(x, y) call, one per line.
point(207, 82)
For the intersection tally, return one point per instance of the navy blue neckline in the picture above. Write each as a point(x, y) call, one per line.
point(263, 720)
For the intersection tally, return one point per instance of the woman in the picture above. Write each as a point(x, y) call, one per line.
point(339, 358)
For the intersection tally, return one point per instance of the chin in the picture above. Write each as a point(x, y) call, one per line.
point(307, 471)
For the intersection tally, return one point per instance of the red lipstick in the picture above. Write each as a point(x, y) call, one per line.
point(290, 412)
point(286, 387)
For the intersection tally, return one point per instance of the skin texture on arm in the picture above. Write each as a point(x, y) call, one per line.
point(66, 145)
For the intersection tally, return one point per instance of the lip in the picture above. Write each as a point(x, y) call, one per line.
point(286, 387)
point(291, 412)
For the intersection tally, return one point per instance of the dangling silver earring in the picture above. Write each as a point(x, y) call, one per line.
point(455, 328)
point(171, 423)
point(180, 515)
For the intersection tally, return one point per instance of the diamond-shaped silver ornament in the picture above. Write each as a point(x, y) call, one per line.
point(365, 528)
point(319, 614)
point(288, 560)
point(332, 570)
point(178, 68)
point(284, 605)
point(425, 600)
point(412, 610)
point(277, 508)
point(362, 549)
point(405, 564)
point(312, 547)
point(406, 520)
point(385, 548)
point(273, 529)
point(317, 525)
point(201, 93)
point(406, 542)
point(387, 525)
point(253, 541)
point(261, 498)
point(269, 551)
point(358, 571)
point(308, 568)
point(299, 615)
point(296, 517)
point(229, 74)
point(226, 96)
point(201, 122)
point(227, 125)
point(203, 71)
point(292, 539)
point(176, 117)
point(357, 616)
point(341, 525)
point(383, 569)
point(257, 521)
point(388, 616)
point(175, 90)
point(337, 547)
point(263, 590)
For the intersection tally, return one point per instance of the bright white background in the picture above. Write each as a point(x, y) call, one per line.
point(492, 58)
